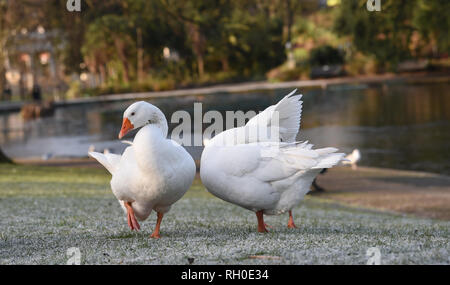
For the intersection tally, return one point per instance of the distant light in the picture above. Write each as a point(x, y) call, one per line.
point(44, 58)
point(166, 52)
point(84, 76)
point(13, 76)
point(40, 30)
point(24, 31)
point(331, 3)
point(288, 45)
point(170, 55)
point(25, 57)
point(232, 39)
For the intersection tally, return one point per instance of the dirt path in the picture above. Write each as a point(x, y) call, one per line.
point(417, 193)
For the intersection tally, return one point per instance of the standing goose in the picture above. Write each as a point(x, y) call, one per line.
point(151, 174)
point(268, 173)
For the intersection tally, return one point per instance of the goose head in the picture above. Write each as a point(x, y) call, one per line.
point(140, 114)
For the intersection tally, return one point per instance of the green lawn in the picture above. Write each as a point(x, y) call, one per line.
point(45, 210)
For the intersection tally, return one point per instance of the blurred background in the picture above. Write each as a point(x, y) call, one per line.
point(376, 81)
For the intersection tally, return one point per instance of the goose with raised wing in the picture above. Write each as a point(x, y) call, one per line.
point(260, 166)
point(153, 172)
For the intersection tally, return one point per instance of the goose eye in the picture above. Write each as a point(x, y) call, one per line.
point(132, 114)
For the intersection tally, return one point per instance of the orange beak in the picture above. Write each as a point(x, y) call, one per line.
point(126, 127)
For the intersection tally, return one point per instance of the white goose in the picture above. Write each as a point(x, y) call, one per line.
point(152, 173)
point(267, 174)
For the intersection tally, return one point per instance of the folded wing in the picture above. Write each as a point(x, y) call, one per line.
point(270, 161)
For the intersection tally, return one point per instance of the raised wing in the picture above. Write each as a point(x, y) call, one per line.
point(289, 112)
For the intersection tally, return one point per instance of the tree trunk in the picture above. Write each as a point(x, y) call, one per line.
point(2, 81)
point(3, 57)
point(140, 56)
point(198, 46)
point(102, 71)
point(120, 47)
point(200, 65)
point(288, 20)
point(225, 64)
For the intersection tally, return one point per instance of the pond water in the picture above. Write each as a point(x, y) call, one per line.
point(393, 125)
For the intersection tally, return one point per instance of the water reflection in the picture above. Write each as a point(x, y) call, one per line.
point(395, 125)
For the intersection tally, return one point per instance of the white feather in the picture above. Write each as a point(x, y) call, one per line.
point(108, 160)
point(288, 110)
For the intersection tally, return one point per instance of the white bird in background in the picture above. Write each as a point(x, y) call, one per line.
point(153, 172)
point(352, 159)
point(47, 156)
point(268, 175)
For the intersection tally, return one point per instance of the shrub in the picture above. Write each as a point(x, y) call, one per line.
point(326, 55)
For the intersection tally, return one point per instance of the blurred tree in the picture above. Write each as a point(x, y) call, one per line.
point(200, 19)
point(132, 33)
point(124, 39)
point(326, 55)
point(245, 36)
point(109, 38)
point(14, 17)
point(384, 34)
point(71, 26)
point(4, 34)
point(432, 20)
point(258, 30)
point(388, 34)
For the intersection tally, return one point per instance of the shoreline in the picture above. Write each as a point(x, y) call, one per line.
point(415, 78)
point(417, 193)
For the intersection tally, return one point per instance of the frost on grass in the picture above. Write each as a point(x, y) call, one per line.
point(38, 229)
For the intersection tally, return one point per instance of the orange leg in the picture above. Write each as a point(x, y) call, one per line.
point(155, 233)
point(291, 224)
point(131, 218)
point(261, 224)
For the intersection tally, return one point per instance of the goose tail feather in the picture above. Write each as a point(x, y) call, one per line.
point(107, 160)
